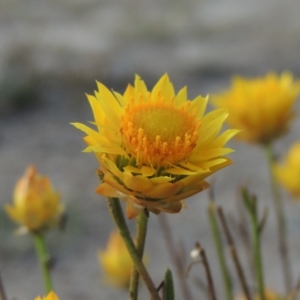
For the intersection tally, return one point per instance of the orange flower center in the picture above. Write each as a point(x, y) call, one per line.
point(158, 133)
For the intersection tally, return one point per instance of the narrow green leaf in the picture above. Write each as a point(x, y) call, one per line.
point(168, 286)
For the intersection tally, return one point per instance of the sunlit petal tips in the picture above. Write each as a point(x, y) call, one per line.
point(155, 148)
point(50, 296)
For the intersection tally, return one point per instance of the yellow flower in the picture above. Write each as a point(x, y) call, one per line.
point(288, 173)
point(50, 296)
point(261, 107)
point(155, 148)
point(116, 261)
point(36, 206)
point(269, 295)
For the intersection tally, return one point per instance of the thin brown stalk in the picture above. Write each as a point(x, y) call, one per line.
point(160, 286)
point(211, 288)
point(234, 254)
point(243, 233)
point(176, 258)
point(2, 291)
point(201, 285)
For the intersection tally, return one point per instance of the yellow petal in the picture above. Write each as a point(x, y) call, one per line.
point(140, 89)
point(163, 89)
point(181, 97)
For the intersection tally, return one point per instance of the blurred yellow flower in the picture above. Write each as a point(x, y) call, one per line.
point(261, 107)
point(50, 296)
point(288, 173)
point(155, 148)
point(36, 206)
point(269, 295)
point(115, 261)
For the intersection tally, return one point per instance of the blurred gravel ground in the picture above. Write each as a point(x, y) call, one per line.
point(51, 52)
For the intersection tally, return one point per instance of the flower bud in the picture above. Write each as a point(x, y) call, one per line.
point(36, 205)
point(115, 261)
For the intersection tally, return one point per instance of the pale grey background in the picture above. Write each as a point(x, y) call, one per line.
point(53, 51)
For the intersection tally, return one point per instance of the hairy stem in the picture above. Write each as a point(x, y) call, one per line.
point(142, 222)
point(118, 217)
point(43, 258)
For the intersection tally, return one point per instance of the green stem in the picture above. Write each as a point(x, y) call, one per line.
point(219, 246)
point(281, 221)
point(43, 258)
point(118, 217)
point(142, 222)
point(251, 204)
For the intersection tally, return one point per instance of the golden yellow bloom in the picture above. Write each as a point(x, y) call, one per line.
point(155, 148)
point(115, 261)
point(269, 295)
point(50, 296)
point(261, 107)
point(36, 206)
point(288, 173)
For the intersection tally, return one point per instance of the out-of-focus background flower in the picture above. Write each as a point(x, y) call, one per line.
point(51, 53)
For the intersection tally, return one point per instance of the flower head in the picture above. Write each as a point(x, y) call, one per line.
point(36, 206)
point(50, 296)
point(116, 261)
point(288, 173)
point(261, 107)
point(155, 148)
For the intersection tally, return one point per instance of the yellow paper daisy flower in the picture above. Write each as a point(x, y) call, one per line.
point(261, 107)
point(269, 295)
point(36, 206)
point(50, 296)
point(288, 173)
point(155, 148)
point(116, 261)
